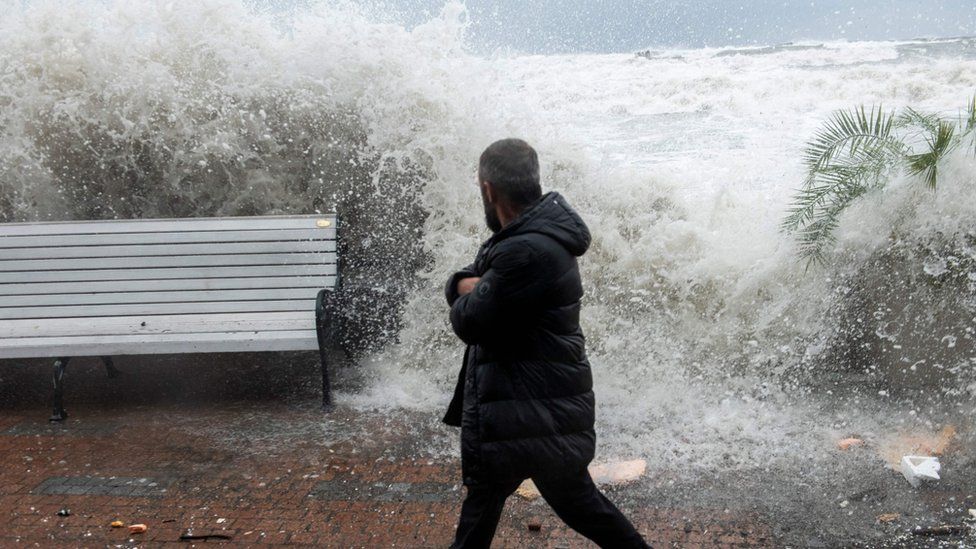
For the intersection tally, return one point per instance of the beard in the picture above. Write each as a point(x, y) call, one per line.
point(491, 219)
point(491, 216)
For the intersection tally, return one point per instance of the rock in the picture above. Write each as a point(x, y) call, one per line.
point(848, 443)
point(64, 512)
point(889, 517)
point(138, 529)
point(610, 473)
point(618, 473)
point(117, 524)
point(528, 491)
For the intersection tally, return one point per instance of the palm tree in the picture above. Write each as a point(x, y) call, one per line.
point(858, 151)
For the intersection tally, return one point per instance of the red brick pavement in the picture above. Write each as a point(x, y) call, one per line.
point(175, 476)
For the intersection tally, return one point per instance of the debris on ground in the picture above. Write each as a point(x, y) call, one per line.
point(203, 537)
point(618, 473)
point(919, 468)
point(117, 524)
point(848, 443)
point(64, 512)
point(942, 441)
point(889, 517)
point(528, 490)
point(138, 529)
point(610, 473)
point(916, 444)
point(942, 530)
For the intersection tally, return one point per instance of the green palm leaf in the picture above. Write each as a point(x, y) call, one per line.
point(857, 151)
point(970, 123)
point(857, 132)
point(816, 208)
point(910, 117)
point(849, 156)
point(940, 143)
point(971, 119)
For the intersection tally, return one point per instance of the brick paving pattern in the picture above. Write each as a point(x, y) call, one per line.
point(99, 486)
point(178, 479)
point(236, 445)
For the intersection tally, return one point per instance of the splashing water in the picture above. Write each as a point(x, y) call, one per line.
point(713, 348)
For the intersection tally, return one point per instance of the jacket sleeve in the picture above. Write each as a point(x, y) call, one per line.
point(507, 294)
point(451, 289)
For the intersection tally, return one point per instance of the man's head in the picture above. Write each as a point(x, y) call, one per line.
point(508, 173)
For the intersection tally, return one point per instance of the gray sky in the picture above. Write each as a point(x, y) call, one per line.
point(628, 25)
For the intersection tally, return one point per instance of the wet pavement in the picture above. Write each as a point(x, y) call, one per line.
point(237, 447)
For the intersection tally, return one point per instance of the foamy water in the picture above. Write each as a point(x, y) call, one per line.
point(712, 345)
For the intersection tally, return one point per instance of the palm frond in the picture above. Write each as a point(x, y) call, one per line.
point(817, 236)
point(855, 132)
point(816, 209)
point(940, 143)
point(912, 117)
point(826, 186)
point(857, 151)
point(971, 111)
point(970, 123)
point(816, 239)
point(916, 125)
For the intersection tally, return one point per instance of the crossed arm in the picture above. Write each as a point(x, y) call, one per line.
point(489, 306)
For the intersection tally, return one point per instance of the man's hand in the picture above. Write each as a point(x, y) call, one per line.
point(466, 285)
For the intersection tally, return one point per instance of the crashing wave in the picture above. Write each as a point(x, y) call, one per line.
point(704, 330)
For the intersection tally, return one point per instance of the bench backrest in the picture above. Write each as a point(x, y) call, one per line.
point(165, 266)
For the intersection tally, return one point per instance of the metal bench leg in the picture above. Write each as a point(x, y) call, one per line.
point(326, 383)
point(110, 368)
point(323, 330)
point(59, 366)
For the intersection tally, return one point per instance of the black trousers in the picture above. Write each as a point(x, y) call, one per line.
point(574, 498)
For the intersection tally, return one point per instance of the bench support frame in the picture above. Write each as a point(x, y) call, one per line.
point(59, 366)
point(323, 330)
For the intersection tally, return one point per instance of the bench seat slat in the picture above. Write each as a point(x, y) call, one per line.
point(28, 303)
point(167, 249)
point(184, 237)
point(158, 309)
point(174, 324)
point(19, 277)
point(174, 261)
point(284, 340)
point(49, 288)
point(168, 225)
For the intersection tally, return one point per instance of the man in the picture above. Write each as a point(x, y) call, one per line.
point(524, 398)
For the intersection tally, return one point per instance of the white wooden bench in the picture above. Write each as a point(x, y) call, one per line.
point(161, 286)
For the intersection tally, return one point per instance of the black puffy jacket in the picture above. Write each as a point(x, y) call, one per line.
point(524, 398)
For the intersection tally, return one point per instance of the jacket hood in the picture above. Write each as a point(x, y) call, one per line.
point(555, 218)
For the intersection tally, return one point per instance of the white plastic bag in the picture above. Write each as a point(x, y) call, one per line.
point(919, 468)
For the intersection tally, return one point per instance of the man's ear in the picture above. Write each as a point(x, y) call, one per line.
point(489, 192)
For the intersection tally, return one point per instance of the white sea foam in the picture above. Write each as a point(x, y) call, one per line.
point(706, 335)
